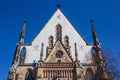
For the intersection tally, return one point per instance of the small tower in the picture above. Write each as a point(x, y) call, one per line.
point(100, 58)
point(96, 42)
point(76, 53)
point(41, 53)
point(16, 59)
point(21, 42)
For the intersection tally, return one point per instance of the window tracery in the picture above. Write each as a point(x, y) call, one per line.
point(59, 54)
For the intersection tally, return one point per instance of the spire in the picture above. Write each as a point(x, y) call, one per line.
point(21, 41)
point(41, 54)
point(22, 35)
point(76, 53)
point(95, 38)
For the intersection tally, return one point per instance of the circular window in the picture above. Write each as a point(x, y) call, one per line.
point(59, 54)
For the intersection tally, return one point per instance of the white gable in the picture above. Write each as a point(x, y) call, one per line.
point(33, 51)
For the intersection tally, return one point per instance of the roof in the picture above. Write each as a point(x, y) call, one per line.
point(33, 51)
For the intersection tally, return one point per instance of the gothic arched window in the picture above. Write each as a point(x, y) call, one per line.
point(89, 74)
point(66, 41)
point(50, 41)
point(23, 51)
point(22, 55)
point(29, 75)
point(58, 32)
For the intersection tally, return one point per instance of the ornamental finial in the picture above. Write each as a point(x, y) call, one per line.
point(58, 6)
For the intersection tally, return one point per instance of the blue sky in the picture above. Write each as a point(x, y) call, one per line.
point(105, 13)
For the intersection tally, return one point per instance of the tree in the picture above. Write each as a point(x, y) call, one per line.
point(112, 64)
point(110, 68)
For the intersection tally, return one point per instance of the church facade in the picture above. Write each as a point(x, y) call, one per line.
point(58, 52)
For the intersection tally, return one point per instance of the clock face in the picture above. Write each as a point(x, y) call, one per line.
point(59, 54)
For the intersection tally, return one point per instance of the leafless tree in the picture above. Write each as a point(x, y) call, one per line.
point(112, 64)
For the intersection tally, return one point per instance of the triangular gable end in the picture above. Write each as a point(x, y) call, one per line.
point(49, 30)
point(58, 18)
point(58, 53)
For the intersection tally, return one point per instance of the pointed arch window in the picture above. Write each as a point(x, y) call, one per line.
point(50, 41)
point(23, 51)
point(29, 75)
point(89, 74)
point(66, 41)
point(58, 32)
point(22, 55)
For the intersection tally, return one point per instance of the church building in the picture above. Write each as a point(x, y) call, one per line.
point(58, 52)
